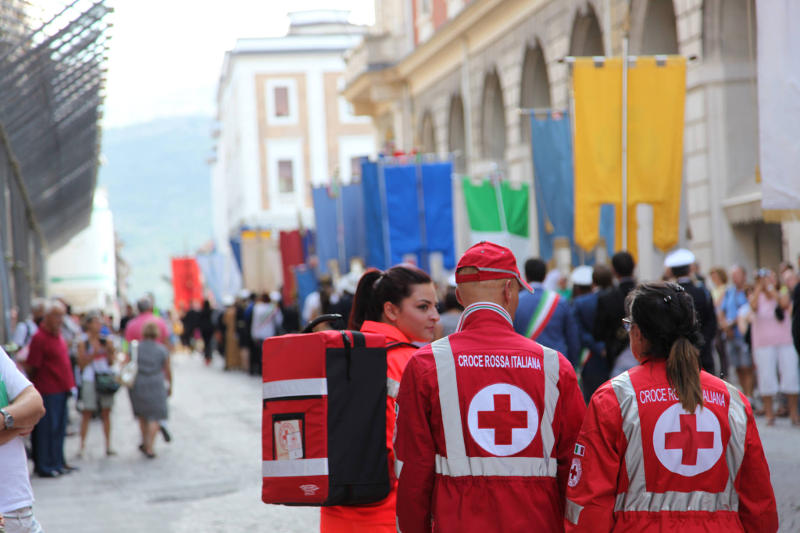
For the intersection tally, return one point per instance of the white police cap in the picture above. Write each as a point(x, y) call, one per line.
point(582, 275)
point(678, 258)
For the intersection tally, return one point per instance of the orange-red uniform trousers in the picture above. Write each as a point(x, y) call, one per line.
point(378, 517)
point(642, 463)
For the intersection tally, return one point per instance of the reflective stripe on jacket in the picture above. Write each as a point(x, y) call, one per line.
point(642, 462)
point(486, 423)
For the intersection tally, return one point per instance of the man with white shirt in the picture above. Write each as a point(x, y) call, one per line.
point(21, 407)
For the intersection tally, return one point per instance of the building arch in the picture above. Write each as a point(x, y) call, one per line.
point(586, 38)
point(654, 29)
point(534, 86)
point(456, 134)
point(493, 130)
point(427, 134)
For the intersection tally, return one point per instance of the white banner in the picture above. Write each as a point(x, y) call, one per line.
point(779, 103)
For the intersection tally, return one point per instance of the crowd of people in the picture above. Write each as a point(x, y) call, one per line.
point(645, 358)
point(60, 364)
point(487, 427)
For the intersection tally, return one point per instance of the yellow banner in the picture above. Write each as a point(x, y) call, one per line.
point(597, 143)
point(656, 95)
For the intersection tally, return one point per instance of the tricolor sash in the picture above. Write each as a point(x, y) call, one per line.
point(542, 313)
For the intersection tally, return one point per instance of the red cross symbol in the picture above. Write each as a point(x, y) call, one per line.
point(689, 439)
point(573, 471)
point(502, 420)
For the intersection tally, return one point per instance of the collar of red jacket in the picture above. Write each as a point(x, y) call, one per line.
point(484, 311)
point(389, 331)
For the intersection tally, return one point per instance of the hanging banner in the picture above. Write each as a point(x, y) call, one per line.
point(656, 96)
point(408, 210)
point(498, 212)
point(779, 107)
point(340, 233)
point(554, 187)
point(598, 144)
point(221, 275)
point(261, 261)
point(291, 255)
point(187, 287)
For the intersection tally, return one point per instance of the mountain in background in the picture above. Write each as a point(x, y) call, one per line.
point(160, 195)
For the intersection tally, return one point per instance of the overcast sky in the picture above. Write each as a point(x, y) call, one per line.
point(165, 55)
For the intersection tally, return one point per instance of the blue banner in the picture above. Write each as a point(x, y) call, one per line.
point(373, 215)
point(438, 197)
point(305, 282)
point(551, 139)
point(408, 210)
point(339, 217)
point(326, 227)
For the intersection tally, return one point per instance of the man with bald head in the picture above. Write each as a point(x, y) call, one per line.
point(50, 370)
point(487, 418)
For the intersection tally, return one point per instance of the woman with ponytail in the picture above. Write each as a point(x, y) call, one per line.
point(666, 446)
point(399, 304)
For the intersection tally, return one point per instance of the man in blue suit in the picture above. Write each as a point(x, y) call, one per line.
point(586, 284)
point(545, 317)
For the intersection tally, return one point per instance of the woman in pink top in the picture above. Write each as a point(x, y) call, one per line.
point(773, 350)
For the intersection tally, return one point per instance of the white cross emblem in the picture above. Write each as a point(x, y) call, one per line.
point(687, 443)
point(502, 419)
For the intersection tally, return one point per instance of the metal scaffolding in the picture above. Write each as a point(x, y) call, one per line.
point(51, 92)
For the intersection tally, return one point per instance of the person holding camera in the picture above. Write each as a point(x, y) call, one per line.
point(95, 358)
point(773, 350)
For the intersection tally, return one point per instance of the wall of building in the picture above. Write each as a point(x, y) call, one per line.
point(319, 137)
point(720, 139)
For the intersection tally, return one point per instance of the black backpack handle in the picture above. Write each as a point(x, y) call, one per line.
point(319, 320)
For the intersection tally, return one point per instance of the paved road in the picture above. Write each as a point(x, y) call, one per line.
point(208, 478)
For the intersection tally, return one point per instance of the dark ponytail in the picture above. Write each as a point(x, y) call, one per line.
point(665, 314)
point(375, 288)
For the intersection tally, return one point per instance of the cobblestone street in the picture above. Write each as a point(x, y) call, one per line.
point(208, 478)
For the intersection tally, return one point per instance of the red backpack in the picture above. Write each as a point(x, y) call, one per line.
point(324, 419)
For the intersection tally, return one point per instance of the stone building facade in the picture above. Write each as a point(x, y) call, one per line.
point(451, 77)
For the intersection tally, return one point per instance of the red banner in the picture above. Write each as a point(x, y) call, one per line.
point(186, 284)
point(291, 255)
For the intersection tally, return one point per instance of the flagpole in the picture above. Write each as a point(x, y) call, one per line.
point(624, 244)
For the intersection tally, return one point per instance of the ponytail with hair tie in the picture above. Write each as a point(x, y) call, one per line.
point(672, 334)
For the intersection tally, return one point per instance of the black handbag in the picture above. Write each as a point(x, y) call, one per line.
point(105, 383)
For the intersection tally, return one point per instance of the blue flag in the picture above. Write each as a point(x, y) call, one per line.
point(551, 141)
point(408, 210)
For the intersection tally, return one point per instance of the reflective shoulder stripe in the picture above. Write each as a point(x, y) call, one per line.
point(737, 420)
point(392, 387)
point(572, 511)
point(295, 387)
point(551, 394)
point(451, 413)
point(295, 467)
point(634, 458)
point(501, 466)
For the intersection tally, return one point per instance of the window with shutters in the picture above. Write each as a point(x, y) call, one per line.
point(285, 176)
point(281, 95)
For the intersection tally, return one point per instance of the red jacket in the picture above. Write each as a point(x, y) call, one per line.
point(485, 431)
point(373, 516)
point(642, 463)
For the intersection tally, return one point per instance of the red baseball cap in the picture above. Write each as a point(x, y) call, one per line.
point(492, 261)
